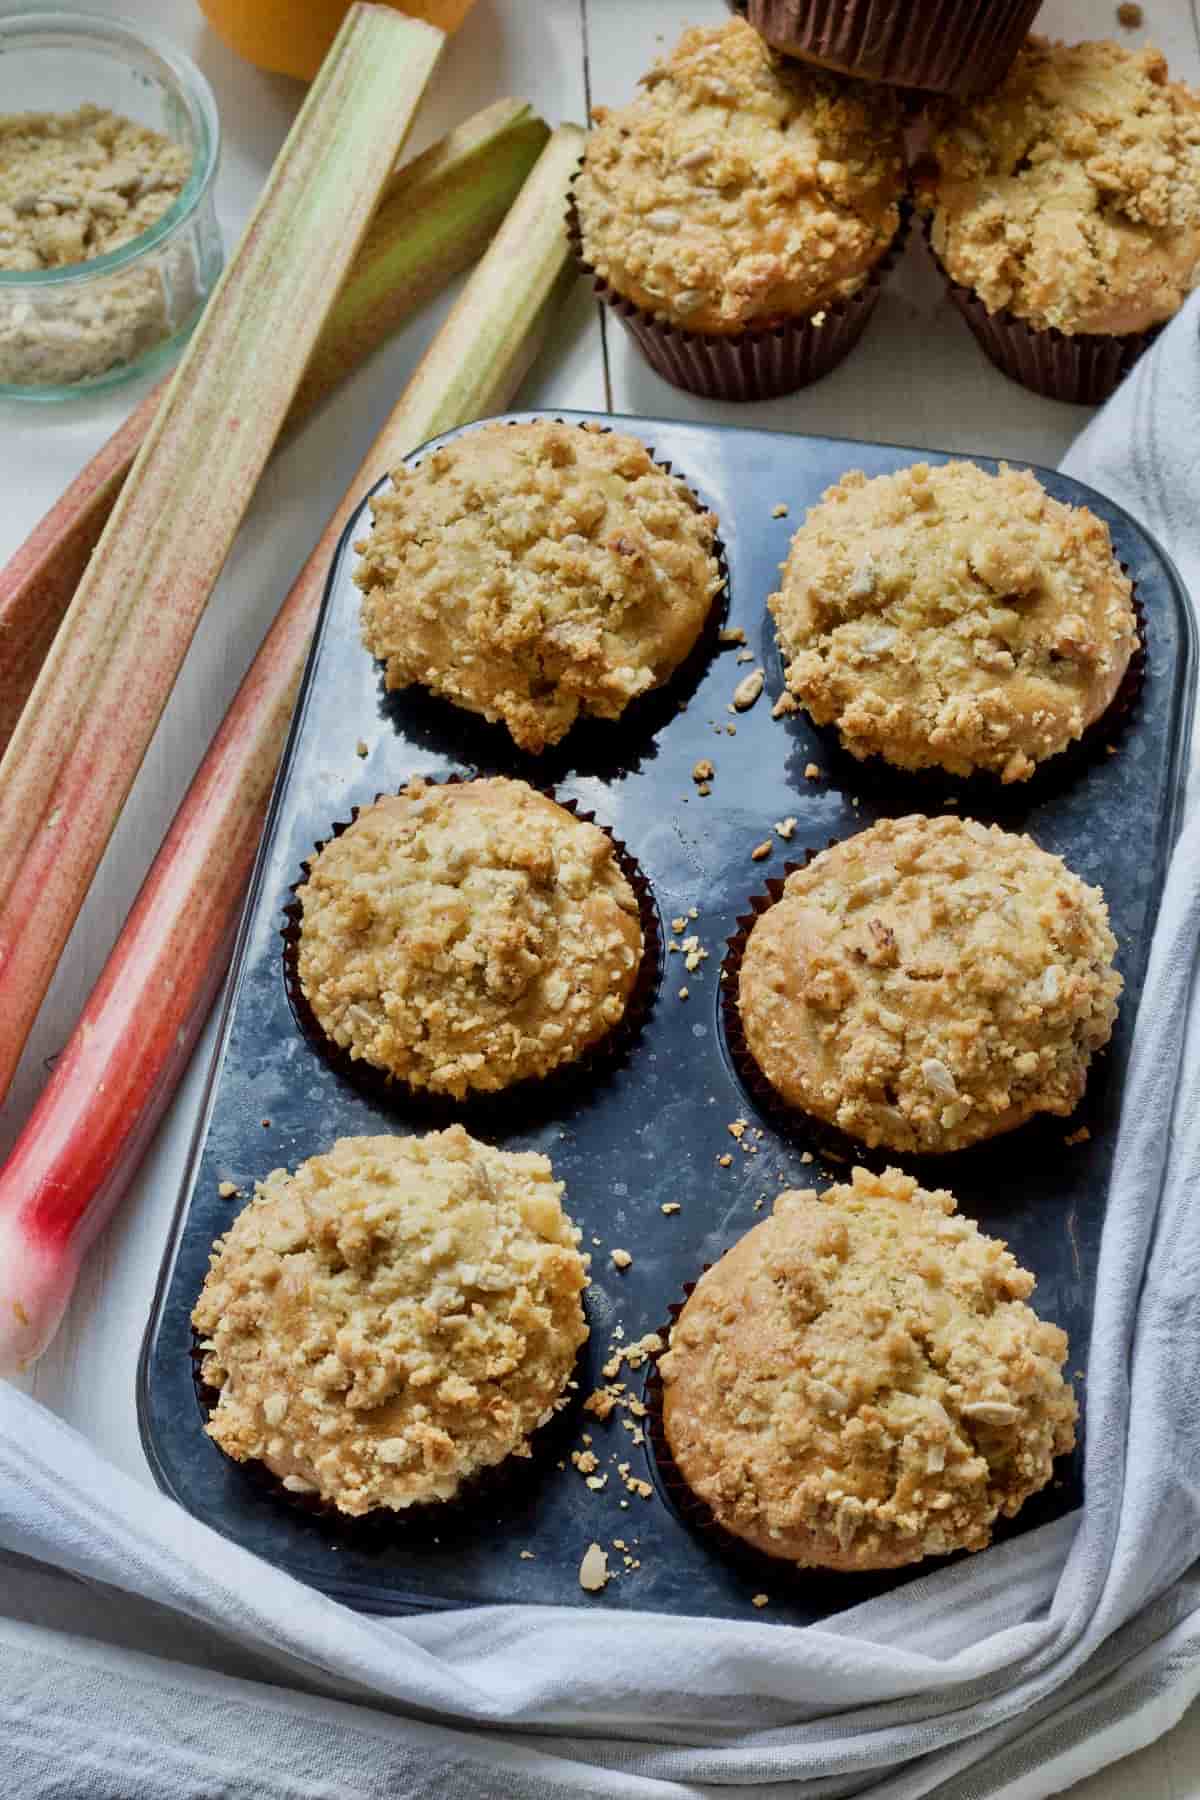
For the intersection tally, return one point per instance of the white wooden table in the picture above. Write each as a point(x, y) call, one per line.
point(916, 379)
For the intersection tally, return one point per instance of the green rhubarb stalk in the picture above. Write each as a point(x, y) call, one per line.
point(436, 217)
point(80, 741)
point(78, 1151)
point(485, 348)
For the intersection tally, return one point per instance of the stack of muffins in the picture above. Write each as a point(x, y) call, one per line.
point(740, 214)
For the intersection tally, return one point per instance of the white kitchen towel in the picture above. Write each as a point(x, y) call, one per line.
point(1015, 1672)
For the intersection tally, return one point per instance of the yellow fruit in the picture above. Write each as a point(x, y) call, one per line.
point(291, 37)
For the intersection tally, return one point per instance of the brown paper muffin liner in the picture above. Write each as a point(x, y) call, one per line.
point(467, 1514)
point(529, 1098)
point(945, 46)
point(1084, 369)
point(592, 744)
point(753, 365)
point(896, 791)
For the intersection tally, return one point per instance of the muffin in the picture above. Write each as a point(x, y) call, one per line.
point(945, 617)
point(946, 46)
point(391, 1319)
point(929, 983)
point(858, 1383)
point(464, 937)
point(537, 572)
point(1065, 211)
point(737, 213)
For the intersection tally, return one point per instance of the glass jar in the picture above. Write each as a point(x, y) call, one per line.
point(86, 326)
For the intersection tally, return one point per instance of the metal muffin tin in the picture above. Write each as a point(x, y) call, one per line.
point(651, 1130)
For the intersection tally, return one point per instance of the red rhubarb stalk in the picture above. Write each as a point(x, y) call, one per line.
point(435, 219)
point(80, 741)
point(111, 1084)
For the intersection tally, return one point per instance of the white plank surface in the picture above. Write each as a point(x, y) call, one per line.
point(917, 378)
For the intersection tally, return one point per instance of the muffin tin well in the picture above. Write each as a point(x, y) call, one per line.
point(653, 1130)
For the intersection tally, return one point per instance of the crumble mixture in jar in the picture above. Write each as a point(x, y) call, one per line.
point(73, 187)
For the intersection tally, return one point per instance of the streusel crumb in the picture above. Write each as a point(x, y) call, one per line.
point(929, 983)
point(534, 572)
point(393, 1317)
point(859, 1383)
point(468, 935)
point(949, 617)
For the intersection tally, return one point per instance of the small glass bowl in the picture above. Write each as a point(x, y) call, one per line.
point(74, 330)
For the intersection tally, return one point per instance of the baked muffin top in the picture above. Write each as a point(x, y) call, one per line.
point(534, 572)
point(1070, 194)
point(929, 983)
point(945, 616)
point(858, 1382)
point(467, 936)
point(396, 1315)
point(739, 190)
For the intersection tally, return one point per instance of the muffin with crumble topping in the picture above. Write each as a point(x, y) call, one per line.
point(392, 1318)
point(462, 937)
point(927, 984)
point(946, 617)
point(860, 1383)
point(737, 214)
point(1064, 210)
point(537, 573)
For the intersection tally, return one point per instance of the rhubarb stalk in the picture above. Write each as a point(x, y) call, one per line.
point(117, 1073)
point(80, 741)
point(435, 219)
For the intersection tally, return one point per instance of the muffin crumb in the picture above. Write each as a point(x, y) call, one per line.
point(593, 1570)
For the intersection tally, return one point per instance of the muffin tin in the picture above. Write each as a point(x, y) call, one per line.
point(651, 1131)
